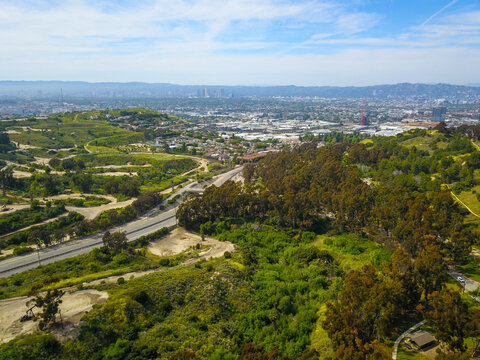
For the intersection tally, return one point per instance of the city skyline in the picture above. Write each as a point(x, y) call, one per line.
point(242, 42)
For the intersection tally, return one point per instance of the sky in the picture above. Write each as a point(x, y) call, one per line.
point(242, 42)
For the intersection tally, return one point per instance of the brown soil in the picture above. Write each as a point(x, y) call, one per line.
point(180, 240)
point(74, 306)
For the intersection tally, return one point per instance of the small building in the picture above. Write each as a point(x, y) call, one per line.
point(252, 157)
point(422, 340)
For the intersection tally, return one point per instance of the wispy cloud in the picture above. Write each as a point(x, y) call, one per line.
point(430, 18)
point(229, 41)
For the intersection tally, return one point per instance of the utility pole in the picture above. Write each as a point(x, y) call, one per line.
point(38, 254)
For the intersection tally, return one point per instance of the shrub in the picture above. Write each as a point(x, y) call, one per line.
point(19, 250)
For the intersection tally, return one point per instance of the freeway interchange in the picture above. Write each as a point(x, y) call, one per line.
point(148, 223)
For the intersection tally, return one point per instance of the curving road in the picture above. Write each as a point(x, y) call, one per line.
point(401, 337)
point(150, 222)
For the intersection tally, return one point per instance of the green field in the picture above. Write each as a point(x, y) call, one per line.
point(404, 354)
point(64, 131)
point(470, 199)
point(426, 142)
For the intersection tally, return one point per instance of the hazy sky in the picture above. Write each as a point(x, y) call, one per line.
point(246, 42)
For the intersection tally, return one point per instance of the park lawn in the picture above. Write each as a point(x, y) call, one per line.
point(425, 142)
point(101, 149)
point(404, 354)
point(470, 199)
point(163, 184)
point(471, 269)
point(66, 130)
point(420, 142)
point(34, 138)
point(160, 156)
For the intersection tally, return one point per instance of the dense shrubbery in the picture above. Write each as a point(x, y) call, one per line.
point(47, 234)
point(264, 300)
point(74, 224)
point(267, 295)
point(87, 201)
point(23, 218)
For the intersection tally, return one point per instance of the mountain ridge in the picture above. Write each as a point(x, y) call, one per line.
point(142, 89)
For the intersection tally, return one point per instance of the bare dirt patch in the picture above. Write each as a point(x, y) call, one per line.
point(180, 240)
point(118, 173)
point(475, 253)
point(121, 166)
point(92, 212)
point(26, 146)
point(9, 208)
point(17, 174)
point(74, 306)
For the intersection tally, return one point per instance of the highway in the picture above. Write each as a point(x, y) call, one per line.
point(150, 222)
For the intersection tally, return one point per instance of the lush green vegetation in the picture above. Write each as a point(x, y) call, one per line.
point(87, 201)
point(74, 225)
point(44, 235)
point(63, 130)
point(23, 218)
point(339, 250)
point(97, 264)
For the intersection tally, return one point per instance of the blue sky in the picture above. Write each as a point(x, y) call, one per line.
point(244, 42)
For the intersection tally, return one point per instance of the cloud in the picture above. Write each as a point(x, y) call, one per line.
point(231, 41)
point(354, 23)
point(450, 4)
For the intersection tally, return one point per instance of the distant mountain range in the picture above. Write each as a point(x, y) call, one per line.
point(79, 89)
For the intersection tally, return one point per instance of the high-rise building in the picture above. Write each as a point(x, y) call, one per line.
point(438, 114)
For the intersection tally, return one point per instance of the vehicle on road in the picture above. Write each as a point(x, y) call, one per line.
point(461, 279)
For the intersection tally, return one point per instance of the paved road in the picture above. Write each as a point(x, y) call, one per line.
point(401, 337)
point(470, 285)
point(150, 222)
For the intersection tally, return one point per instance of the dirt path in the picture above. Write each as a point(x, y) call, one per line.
point(475, 253)
point(203, 165)
point(74, 306)
point(91, 213)
point(30, 226)
point(121, 166)
point(76, 303)
point(475, 144)
point(465, 205)
point(178, 241)
point(112, 199)
point(14, 207)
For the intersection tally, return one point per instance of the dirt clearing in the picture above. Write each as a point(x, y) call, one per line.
point(180, 240)
point(74, 306)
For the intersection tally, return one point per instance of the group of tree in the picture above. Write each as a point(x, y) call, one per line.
point(307, 187)
point(74, 225)
point(26, 217)
point(5, 144)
